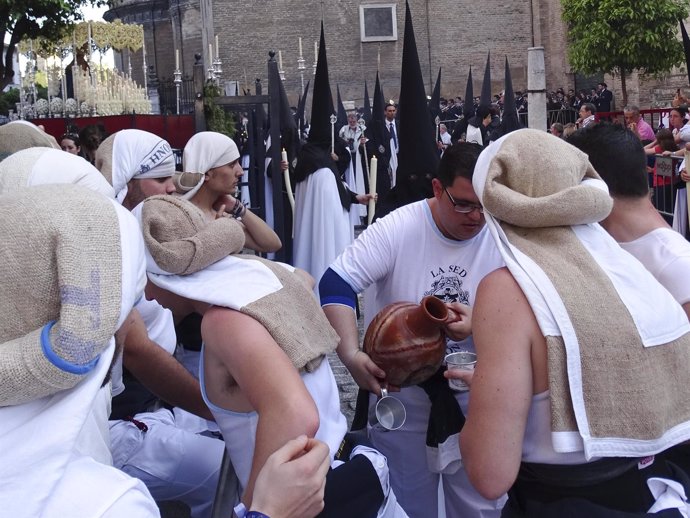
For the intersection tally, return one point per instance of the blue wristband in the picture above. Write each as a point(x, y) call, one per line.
point(255, 514)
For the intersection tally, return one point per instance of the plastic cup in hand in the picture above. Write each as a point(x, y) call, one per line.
point(389, 412)
point(463, 361)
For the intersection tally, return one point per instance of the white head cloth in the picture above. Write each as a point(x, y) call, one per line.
point(139, 154)
point(42, 165)
point(206, 150)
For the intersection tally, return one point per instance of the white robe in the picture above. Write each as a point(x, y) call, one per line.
point(53, 457)
point(322, 225)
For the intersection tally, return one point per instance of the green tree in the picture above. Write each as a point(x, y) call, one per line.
point(620, 36)
point(33, 18)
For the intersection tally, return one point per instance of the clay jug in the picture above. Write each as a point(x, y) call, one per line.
point(407, 340)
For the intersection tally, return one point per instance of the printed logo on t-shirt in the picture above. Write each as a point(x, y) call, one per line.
point(448, 288)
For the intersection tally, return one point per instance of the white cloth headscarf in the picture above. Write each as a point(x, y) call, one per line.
point(206, 150)
point(139, 154)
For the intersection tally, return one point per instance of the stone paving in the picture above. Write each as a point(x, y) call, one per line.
point(346, 385)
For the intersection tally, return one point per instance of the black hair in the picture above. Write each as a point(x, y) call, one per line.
point(590, 108)
point(616, 153)
point(71, 136)
point(458, 161)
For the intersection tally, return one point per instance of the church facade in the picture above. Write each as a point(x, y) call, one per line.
point(362, 37)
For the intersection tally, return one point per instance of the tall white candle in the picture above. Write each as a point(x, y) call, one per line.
point(288, 185)
point(316, 52)
point(217, 55)
point(280, 59)
point(210, 54)
point(177, 59)
point(300, 46)
point(89, 43)
point(372, 188)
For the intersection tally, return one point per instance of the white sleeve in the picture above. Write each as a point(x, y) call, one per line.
point(371, 256)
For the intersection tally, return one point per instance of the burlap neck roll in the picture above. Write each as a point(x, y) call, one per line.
point(18, 135)
point(181, 241)
point(61, 261)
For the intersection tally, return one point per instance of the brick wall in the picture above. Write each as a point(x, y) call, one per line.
point(452, 34)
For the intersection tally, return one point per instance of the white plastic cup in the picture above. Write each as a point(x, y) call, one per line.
point(462, 360)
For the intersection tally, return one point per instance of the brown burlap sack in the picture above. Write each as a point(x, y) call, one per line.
point(60, 261)
point(181, 240)
point(18, 135)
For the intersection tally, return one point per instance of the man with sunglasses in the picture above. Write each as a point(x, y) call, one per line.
point(438, 246)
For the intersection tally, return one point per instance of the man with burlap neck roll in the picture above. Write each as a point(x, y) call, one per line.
point(587, 409)
point(443, 240)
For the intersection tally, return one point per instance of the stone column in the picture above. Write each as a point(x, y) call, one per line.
point(536, 87)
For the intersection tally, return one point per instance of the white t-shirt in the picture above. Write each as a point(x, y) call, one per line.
point(407, 257)
point(666, 254)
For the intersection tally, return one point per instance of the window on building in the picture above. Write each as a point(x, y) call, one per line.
point(378, 22)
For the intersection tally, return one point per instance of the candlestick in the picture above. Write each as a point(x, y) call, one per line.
point(300, 46)
point(333, 119)
point(372, 188)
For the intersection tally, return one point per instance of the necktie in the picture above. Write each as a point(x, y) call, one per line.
point(391, 128)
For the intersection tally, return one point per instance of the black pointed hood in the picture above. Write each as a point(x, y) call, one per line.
point(485, 99)
point(375, 132)
point(342, 114)
point(301, 106)
point(366, 110)
point(510, 120)
point(468, 104)
point(377, 108)
point(289, 138)
point(418, 154)
point(435, 101)
point(686, 47)
point(322, 100)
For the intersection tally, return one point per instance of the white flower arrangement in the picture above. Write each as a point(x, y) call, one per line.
point(41, 107)
point(56, 105)
point(71, 106)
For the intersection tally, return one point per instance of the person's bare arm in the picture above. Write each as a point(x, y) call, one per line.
point(502, 386)
point(364, 371)
point(265, 376)
point(160, 372)
point(291, 483)
point(258, 235)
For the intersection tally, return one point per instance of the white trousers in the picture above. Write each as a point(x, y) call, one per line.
point(414, 484)
point(175, 464)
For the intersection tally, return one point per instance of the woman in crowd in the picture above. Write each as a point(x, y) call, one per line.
point(70, 143)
